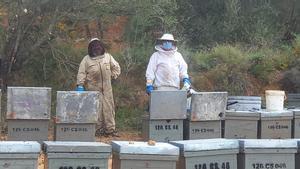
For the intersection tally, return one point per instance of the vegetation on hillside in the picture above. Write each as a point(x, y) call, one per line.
point(239, 46)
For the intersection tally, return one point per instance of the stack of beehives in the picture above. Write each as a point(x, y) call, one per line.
point(167, 111)
point(76, 115)
point(204, 117)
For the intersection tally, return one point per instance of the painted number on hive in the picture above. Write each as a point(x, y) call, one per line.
point(224, 165)
point(166, 127)
point(268, 165)
point(25, 129)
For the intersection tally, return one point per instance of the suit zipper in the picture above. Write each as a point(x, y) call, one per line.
point(101, 77)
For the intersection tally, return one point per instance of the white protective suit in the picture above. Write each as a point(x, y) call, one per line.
point(166, 68)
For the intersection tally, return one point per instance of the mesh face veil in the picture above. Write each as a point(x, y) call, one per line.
point(95, 48)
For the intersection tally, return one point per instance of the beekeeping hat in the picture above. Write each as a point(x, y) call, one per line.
point(93, 39)
point(168, 37)
point(95, 47)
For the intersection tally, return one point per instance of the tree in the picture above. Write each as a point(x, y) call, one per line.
point(36, 26)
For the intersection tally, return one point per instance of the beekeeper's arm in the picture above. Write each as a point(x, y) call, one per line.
point(115, 68)
point(150, 74)
point(184, 77)
point(81, 76)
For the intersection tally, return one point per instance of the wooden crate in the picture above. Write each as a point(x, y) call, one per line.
point(162, 130)
point(241, 124)
point(141, 155)
point(267, 153)
point(19, 154)
point(276, 125)
point(76, 155)
point(202, 129)
point(207, 153)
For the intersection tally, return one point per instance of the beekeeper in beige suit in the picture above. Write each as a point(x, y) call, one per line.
point(95, 73)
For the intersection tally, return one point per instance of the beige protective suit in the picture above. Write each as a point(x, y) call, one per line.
point(95, 74)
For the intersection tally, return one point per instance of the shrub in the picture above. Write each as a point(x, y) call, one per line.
point(224, 67)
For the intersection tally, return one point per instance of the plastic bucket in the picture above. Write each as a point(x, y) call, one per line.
point(275, 100)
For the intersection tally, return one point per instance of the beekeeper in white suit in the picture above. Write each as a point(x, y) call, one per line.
point(166, 68)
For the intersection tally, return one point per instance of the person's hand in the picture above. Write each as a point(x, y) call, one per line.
point(190, 92)
point(149, 89)
point(80, 88)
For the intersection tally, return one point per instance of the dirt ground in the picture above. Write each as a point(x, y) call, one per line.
point(124, 136)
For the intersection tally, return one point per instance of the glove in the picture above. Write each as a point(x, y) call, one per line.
point(149, 89)
point(191, 91)
point(186, 83)
point(80, 88)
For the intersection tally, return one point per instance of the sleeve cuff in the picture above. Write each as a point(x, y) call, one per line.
point(149, 82)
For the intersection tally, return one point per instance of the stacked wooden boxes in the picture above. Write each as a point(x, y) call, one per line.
point(242, 118)
point(167, 112)
point(76, 115)
point(28, 113)
point(204, 118)
point(143, 155)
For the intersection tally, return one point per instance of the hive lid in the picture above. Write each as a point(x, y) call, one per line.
point(77, 107)
point(295, 111)
point(298, 143)
point(76, 147)
point(243, 102)
point(136, 148)
point(241, 113)
point(24, 147)
point(168, 104)
point(207, 105)
point(206, 145)
point(281, 113)
point(28, 103)
point(268, 144)
point(247, 98)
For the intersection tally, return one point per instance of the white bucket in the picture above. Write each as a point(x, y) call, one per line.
point(275, 100)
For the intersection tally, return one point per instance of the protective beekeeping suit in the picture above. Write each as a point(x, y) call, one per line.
point(95, 73)
point(166, 67)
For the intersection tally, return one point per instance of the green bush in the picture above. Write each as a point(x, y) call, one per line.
point(225, 67)
point(128, 118)
point(262, 64)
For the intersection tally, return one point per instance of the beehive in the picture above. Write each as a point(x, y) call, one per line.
point(207, 153)
point(28, 113)
point(276, 124)
point(76, 115)
point(141, 155)
point(267, 153)
point(19, 154)
point(76, 155)
point(241, 124)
